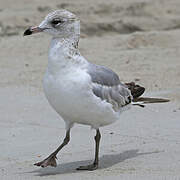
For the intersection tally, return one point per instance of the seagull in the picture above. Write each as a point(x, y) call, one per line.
point(79, 91)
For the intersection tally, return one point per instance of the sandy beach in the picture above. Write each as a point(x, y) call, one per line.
point(140, 41)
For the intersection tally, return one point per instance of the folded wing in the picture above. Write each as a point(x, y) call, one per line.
point(107, 86)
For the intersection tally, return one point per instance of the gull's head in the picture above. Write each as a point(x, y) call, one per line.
point(60, 23)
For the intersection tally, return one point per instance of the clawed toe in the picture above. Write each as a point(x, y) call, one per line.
point(50, 161)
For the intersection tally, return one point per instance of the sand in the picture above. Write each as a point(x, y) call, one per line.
point(140, 40)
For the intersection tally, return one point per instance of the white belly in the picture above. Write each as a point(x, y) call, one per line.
point(71, 96)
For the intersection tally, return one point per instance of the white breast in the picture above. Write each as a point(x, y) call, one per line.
point(68, 89)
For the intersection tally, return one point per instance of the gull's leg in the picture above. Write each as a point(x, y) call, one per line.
point(51, 159)
point(93, 166)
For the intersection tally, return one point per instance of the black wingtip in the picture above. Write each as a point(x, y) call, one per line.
point(27, 32)
point(136, 90)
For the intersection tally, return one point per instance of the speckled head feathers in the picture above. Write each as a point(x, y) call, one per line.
point(64, 14)
point(59, 24)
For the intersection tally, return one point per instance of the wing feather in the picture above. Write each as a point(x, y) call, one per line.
point(107, 86)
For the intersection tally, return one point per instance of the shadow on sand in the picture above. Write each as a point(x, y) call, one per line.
point(105, 162)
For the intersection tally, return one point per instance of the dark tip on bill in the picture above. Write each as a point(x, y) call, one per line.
point(27, 32)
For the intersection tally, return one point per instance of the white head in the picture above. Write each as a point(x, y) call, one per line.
point(60, 24)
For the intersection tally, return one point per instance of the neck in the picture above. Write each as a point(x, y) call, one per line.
point(64, 54)
point(68, 41)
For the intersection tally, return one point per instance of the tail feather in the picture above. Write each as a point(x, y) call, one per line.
point(137, 91)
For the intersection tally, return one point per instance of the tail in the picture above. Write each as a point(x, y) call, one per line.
point(137, 91)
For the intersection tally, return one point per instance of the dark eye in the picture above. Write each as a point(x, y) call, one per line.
point(56, 21)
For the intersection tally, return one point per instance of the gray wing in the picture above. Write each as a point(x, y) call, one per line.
point(107, 86)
